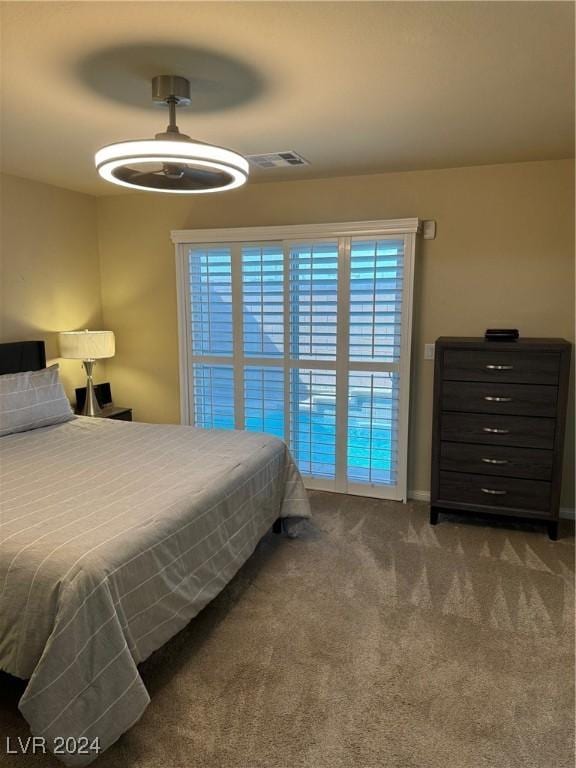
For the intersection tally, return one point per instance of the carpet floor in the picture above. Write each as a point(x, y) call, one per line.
point(373, 640)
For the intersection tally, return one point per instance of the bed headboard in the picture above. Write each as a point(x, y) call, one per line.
point(19, 356)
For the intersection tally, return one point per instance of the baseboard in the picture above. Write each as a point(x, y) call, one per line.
point(419, 495)
point(565, 512)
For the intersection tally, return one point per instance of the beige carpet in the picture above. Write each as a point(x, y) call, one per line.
point(373, 640)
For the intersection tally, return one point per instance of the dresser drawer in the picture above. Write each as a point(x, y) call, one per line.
point(494, 366)
point(496, 397)
point(503, 492)
point(522, 431)
point(529, 463)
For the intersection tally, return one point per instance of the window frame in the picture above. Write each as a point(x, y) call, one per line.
point(285, 236)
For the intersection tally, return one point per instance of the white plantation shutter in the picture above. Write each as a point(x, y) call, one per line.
point(307, 338)
point(313, 331)
point(375, 338)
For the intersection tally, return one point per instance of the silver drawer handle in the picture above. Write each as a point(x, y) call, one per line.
point(492, 492)
point(496, 431)
point(493, 399)
point(495, 461)
point(491, 367)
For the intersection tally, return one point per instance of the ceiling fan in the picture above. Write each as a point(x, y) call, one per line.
point(172, 161)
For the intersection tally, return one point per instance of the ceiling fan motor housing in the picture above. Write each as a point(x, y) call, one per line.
point(165, 87)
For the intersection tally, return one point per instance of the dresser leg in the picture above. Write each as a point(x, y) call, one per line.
point(553, 531)
point(433, 516)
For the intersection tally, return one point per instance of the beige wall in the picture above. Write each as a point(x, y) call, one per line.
point(503, 256)
point(49, 269)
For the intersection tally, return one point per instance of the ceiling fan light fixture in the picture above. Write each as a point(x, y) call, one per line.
point(171, 162)
point(218, 169)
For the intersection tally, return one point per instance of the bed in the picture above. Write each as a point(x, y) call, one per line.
point(113, 536)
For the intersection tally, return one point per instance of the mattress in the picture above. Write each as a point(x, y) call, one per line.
point(113, 536)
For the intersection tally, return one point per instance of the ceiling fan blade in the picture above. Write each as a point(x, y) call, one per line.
point(202, 178)
point(138, 174)
point(192, 178)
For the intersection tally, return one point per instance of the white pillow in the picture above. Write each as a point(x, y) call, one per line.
point(32, 399)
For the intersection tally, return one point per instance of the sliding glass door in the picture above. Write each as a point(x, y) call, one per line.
point(306, 338)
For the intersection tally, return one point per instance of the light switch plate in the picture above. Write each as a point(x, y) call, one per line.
point(429, 351)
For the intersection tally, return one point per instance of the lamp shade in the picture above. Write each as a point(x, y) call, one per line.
point(87, 345)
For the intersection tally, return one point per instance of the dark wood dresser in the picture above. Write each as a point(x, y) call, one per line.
point(498, 429)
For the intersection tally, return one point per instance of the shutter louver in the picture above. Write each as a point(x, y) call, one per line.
point(313, 301)
point(372, 427)
point(213, 396)
point(313, 421)
point(263, 301)
point(264, 400)
point(376, 285)
point(211, 301)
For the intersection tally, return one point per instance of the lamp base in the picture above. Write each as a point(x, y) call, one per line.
point(91, 405)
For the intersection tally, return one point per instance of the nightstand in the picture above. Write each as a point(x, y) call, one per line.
point(115, 412)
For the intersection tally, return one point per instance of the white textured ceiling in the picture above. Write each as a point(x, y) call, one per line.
point(354, 87)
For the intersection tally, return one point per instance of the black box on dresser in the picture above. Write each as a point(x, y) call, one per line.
point(498, 428)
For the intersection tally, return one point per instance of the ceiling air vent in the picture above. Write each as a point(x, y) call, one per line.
point(277, 159)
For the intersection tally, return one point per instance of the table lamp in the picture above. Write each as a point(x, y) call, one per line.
point(87, 346)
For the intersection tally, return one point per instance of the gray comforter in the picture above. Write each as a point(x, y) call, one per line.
point(113, 536)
